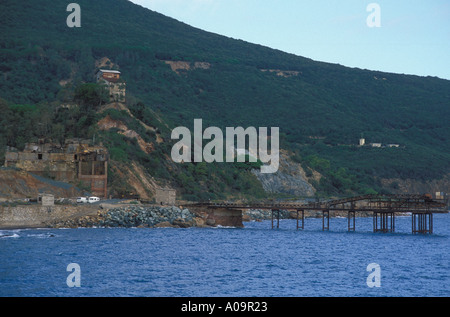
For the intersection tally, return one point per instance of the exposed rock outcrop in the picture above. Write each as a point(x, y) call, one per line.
point(178, 66)
point(405, 186)
point(108, 123)
point(290, 179)
point(137, 178)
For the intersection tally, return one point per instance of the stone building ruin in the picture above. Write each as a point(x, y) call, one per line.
point(74, 162)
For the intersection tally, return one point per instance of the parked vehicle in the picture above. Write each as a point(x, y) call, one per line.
point(82, 199)
point(93, 199)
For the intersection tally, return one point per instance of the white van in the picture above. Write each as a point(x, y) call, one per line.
point(82, 200)
point(93, 199)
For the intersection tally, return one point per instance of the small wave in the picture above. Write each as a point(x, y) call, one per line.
point(42, 235)
point(6, 235)
point(225, 227)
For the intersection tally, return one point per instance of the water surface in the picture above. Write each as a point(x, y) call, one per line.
point(253, 261)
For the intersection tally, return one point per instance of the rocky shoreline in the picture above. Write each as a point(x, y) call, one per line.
point(166, 216)
point(136, 216)
point(148, 217)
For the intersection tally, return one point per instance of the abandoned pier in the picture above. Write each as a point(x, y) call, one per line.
point(383, 210)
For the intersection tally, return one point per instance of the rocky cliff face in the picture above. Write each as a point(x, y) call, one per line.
point(290, 179)
point(405, 186)
point(16, 184)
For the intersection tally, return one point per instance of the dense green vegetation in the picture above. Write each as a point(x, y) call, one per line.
point(321, 113)
point(196, 181)
point(52, 122)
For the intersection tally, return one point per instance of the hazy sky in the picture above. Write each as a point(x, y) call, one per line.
point(414, 37)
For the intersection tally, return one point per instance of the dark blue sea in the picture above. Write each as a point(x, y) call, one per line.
point(228, 262)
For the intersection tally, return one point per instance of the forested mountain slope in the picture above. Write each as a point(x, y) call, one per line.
point(176, 73)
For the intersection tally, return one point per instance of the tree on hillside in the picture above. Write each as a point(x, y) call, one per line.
point(90, 95)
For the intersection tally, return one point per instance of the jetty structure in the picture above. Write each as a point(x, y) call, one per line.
point(383, 208)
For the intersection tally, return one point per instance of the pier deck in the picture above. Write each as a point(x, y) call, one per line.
point(383, 208)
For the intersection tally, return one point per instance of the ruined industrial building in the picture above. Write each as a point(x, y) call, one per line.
point(75, 162)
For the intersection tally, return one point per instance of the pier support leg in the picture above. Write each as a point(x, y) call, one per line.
point(431, 223)
point(325, 224)
point(303, 220)
point(351, 220)
point(422, 223)
point(272, 218)
point(383, 221)
point(375, 222)
point(278, 218)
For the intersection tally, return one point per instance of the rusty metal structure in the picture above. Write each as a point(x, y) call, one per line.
point(383, 209)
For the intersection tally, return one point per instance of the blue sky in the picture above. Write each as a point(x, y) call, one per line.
point(414, 37)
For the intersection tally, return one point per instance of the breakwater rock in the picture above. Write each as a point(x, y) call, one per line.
point(147, 216)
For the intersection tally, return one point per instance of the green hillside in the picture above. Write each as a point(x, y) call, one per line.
point(322, 109)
